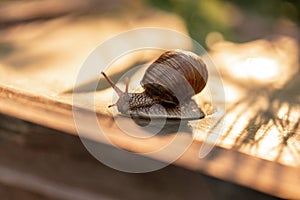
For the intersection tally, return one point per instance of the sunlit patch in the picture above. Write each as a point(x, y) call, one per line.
point(261, 68)
point(260, 62)
point(256, 69)
point(294, 115)
point(282, 112)
point(209, 128)
point(268, 144)
point(233, 93)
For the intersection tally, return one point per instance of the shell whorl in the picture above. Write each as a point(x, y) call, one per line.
point(175, 76)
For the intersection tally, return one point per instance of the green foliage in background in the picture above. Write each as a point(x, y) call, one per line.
point(205, 16)
point(289, 9)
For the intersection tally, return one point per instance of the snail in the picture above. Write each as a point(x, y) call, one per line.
point(169, 83)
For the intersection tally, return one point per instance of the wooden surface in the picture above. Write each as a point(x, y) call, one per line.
point(259, 141)
point(42, 163)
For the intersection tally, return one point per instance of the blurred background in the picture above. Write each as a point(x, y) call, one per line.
point(234, 20)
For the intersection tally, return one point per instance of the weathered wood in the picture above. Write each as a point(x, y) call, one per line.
point(42, 163)
point(38, 69)
point(228, 165)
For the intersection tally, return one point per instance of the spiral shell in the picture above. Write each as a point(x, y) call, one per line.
point(175, 76)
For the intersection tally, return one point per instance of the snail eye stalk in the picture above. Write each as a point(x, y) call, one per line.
point(113, 85)
point(126, 88)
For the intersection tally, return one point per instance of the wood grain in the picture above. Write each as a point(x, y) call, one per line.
point(38, 69)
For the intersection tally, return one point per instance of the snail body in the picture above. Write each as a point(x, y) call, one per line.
point(169, 83)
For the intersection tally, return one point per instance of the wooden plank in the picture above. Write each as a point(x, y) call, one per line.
point(42, 163)
point(259, 142)
point(229, 165)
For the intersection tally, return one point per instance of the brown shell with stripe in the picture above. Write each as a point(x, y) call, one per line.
point(175, 76)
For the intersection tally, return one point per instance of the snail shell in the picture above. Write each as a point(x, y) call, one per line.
point(169, 83)
point(180, 72)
